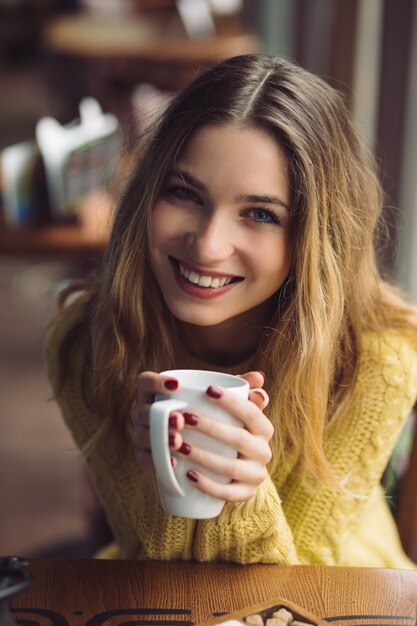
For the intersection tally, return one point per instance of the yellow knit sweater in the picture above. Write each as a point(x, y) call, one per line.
point(286, 521)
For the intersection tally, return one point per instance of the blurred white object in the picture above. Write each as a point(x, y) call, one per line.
point(196, 18)
point(225, 7)
point(108, 8)
point(76, 155)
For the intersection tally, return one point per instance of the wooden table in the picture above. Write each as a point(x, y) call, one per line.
point(116, 593)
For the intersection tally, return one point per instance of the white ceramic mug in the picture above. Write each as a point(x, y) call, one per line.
point(177, 493)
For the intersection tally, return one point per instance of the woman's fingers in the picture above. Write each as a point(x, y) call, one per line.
point(148, 385)
point(240, 439)
point(231, 492)
point(140, 435)
point(259, 397)
point(151, 383)
point(140, 417)
point(235, 469)
point(140, 438)
point(254, 378)
point(247, 412)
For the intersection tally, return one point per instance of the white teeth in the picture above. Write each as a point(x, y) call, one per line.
point(193, 278)
point(206, 281)
point(203, 281)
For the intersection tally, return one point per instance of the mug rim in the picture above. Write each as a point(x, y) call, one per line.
point(236, 381)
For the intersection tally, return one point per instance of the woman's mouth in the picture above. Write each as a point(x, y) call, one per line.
point(202, 283)
point(203, 280)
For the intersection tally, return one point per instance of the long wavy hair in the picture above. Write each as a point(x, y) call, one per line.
point(333, 293)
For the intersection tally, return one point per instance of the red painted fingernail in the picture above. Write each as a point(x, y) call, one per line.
point(171, 384)
point(185, 448)
point(171, 439)
point(192, 475)
point(190, 419)
point(173, 421)
point(214, 392)
point(258, 393)
point(262, 374)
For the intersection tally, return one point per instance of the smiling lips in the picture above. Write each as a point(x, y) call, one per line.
point(206, 281)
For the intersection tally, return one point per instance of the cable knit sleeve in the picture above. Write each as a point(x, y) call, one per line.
point(310, 523)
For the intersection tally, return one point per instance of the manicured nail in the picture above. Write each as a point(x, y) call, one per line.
point(171, 439)
point(214, 392)
point(190, 419)
point(192, 475)
point(185, 448)
point(171, 384)
point(258, 393)
point(173, 421)
point(262, 374)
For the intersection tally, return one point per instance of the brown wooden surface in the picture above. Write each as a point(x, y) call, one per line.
point(57, 241)
point(88, 236)
point(116, 593)
point(267, 610)
point(127, 51)
point(141, 37)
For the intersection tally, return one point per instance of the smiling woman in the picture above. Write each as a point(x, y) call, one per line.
point(208, 226)
point(244, 244)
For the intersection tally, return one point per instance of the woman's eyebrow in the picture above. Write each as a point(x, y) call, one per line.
point(189, 178)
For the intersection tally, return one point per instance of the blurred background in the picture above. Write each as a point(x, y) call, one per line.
point(79, 81)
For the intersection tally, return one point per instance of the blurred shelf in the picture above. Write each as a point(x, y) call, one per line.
point(142, 38)
point(106, 56)
point(86, 235)
point(66, 241)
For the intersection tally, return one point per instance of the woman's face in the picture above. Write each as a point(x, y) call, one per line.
point(218, 241)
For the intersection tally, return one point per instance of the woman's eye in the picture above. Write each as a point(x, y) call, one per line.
point(262, 216)
point(183, 193)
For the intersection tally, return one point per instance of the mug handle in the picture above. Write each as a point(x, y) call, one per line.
point(161, 456)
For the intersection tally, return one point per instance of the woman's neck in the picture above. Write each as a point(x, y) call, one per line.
point(223, 344)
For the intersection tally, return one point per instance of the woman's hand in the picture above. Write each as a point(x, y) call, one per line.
point(150, 384)
point(251, 442)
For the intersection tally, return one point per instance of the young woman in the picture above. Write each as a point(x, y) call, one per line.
point(244, 243)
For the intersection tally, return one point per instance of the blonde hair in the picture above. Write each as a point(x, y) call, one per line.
point(333, 293)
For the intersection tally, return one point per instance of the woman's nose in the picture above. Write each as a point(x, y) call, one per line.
point(211, 240)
